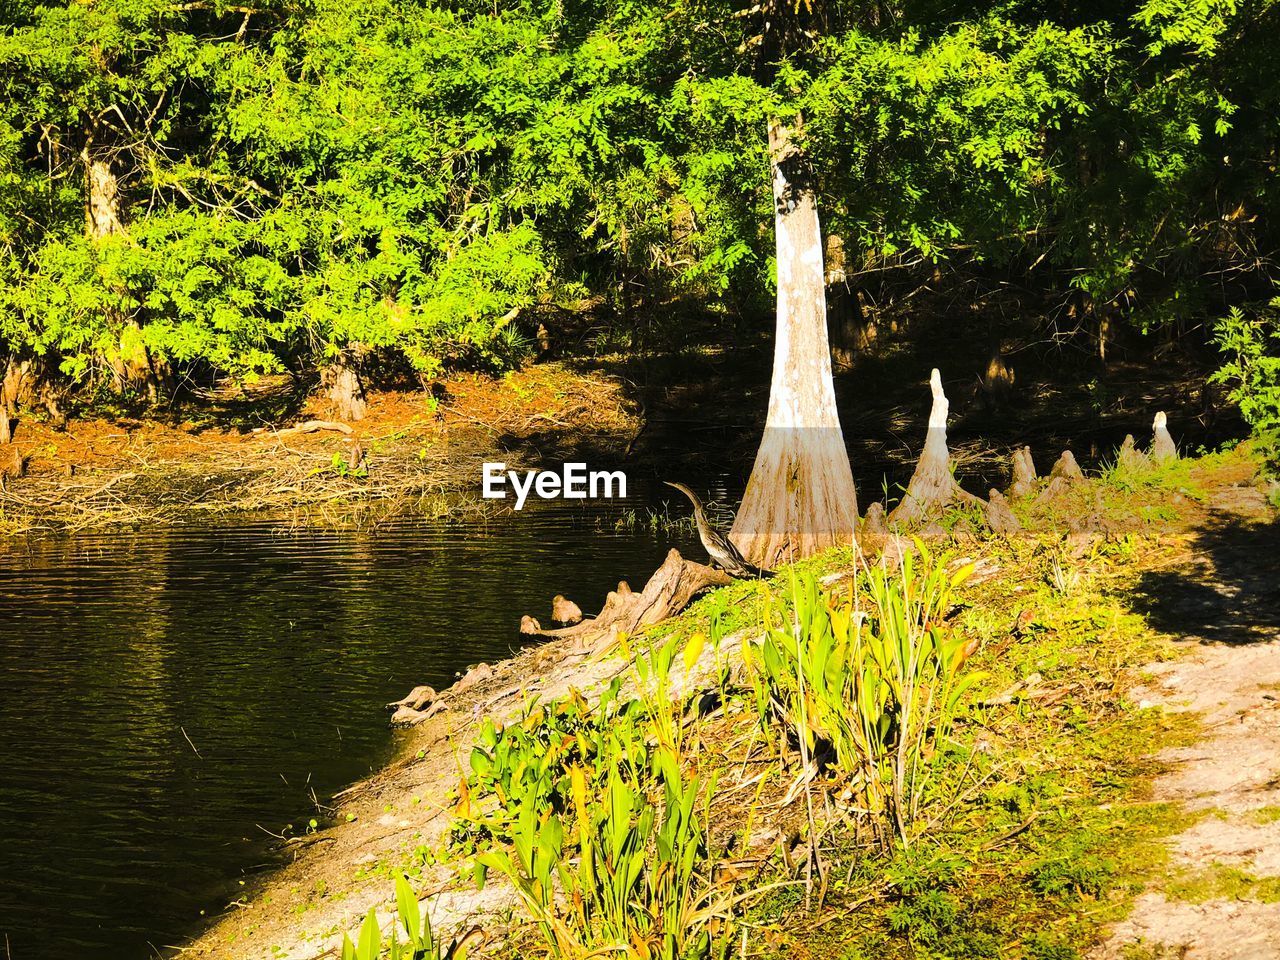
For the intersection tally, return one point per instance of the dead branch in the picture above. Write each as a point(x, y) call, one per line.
point(668, 592)
point(310, 426)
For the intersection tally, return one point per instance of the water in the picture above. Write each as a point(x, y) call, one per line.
point(168, 697)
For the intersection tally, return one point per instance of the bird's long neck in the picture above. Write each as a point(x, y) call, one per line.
point(699, 513)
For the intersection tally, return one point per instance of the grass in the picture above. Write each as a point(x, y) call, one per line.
point(759, 813)
point(1221, 881)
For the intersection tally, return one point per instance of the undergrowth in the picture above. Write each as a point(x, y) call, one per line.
point(941, 760)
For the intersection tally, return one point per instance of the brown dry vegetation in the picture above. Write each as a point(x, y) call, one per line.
point(417, 448)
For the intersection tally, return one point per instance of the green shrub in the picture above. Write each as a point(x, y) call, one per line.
point(1252, 348)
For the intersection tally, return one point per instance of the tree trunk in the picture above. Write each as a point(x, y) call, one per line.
point(342, 381)
point(800, 498)
point(131, 364)
point(10, 389)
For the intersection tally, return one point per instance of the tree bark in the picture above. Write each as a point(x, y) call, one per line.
point(800, 498)
point(10, 390)
point(131, 364)
point(345, 389)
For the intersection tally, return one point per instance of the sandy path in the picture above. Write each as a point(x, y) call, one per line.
point(1226, 601)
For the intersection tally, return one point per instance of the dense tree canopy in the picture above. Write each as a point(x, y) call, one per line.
point(200, 188)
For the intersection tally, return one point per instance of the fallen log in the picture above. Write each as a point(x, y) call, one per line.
point(668, 591)
point(309, 426)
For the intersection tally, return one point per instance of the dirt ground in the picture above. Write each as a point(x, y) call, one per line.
point(236, 454)
point(1219, 898)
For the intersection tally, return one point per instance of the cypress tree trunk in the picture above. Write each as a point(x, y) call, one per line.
point(800, 498)
point(8, 399)
point(341, 380)
point(131, 363)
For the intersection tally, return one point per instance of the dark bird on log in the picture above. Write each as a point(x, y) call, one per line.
point(722, 553)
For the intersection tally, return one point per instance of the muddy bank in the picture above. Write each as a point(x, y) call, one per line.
point(412, 454)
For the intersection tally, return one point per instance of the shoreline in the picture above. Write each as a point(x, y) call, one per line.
point(413, 454)
point(393, 822)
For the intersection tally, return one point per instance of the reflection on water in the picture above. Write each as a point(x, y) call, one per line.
point(170, 696)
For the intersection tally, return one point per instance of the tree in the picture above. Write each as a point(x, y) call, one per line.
point(800, 498)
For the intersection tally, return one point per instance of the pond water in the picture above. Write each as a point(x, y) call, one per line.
point(171, 698)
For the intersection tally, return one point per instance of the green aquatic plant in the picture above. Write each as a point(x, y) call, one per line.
point(419, 941)
point(619, 872)
point(873, 682)
point(530, 759)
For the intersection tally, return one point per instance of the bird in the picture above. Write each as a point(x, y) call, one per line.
point(722, 553)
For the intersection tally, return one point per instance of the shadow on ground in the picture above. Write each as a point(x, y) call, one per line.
point(1228, 589)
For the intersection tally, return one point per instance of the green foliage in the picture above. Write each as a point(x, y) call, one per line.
point(1252, 368)
point(526, 765)
point(877, 680)
point(419, 941)
point(599, 828)
point(415, 179)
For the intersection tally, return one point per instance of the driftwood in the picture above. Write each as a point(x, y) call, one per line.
point(407, 716)
point(668, 592)
point(932, 486)
point(355, 451)
point(476, 675)
point(310, 426)
point(1000, 517)
point(1162, 446)
point(1024, 473)
point(565, 611)
point(418, 698)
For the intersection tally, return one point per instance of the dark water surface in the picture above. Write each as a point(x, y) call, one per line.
point(167, 697)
